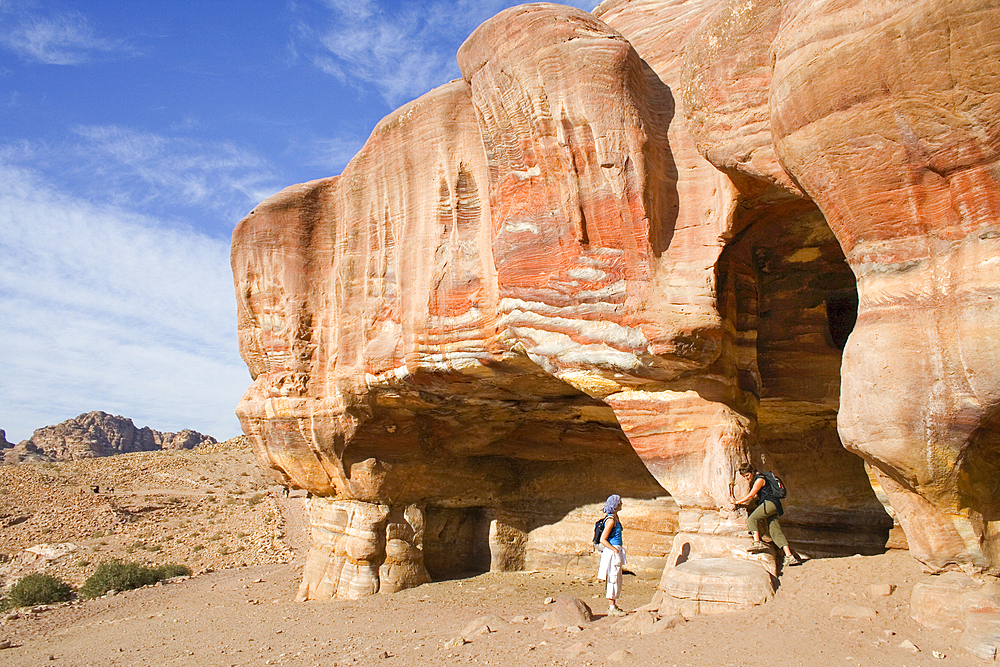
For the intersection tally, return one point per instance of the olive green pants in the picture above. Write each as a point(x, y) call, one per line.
point(767, 513)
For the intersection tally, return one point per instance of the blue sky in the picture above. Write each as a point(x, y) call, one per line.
point(133, 137)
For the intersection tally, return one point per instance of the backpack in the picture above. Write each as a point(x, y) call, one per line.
point(599, 529)
point(773, 489)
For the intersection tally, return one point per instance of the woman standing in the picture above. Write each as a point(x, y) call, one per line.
point(613, 554)
point(767, 510)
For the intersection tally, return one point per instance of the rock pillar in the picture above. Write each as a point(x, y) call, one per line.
point(362, 548)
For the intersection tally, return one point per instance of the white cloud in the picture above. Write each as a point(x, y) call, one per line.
point(54, 39)
point(105, 309)
point(352, 8)
point(215, 174)
point(152, 172)
point(402, 51)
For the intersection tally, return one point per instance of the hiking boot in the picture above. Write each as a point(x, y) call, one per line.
point(757, 547)
point(793, 560)
point(615, 611)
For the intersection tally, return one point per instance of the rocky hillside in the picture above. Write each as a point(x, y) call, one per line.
point(96, 434)
point(210, 507)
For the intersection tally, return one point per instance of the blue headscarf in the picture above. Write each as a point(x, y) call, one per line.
point(611, 504)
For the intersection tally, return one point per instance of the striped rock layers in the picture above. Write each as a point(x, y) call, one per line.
point(408, 323)
point(626, 252)
point(887, 118)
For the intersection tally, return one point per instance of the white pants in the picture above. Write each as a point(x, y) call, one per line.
point(611, 571)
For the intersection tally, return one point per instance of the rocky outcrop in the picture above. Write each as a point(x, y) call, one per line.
point(904, 173)
point(95, 434)
point(354, 395)
point(629, 251)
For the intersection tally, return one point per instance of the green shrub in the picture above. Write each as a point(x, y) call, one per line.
point(170, 570)
point(35, 589)
point(118, 576)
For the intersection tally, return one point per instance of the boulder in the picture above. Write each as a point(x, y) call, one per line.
point(568, 612)
point(955, 601)
point(715, 586)
point(483, 625)
point(942, 601)
point(636, 623)
point(981, 635)
point(693, 546)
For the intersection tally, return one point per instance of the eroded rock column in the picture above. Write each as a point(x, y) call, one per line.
point(362, 548)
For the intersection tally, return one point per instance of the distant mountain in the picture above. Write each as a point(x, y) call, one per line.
point(95, 434)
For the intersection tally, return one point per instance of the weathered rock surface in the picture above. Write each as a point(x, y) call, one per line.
point(715, 586)
point(784, 294)
point(629, 251)
point(358, 334)
point(568, 612)
point(361, 548)
point(904, 173)
point(95, 434)
point(732, 578)
point(956, 601)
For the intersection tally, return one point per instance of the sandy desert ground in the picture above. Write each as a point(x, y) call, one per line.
point(239, 609)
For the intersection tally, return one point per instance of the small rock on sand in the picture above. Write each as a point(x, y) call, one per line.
point(881, 590)
point(483, 625)
point(853, 611)
point(568, 611)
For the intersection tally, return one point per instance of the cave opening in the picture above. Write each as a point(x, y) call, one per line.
point(791, 302)
point(521, 480)
point(841, 316)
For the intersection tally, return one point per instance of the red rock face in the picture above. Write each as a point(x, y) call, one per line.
point(921, 386)
point(773, 273)
point(886, 118)
point(626, 252)
point(393, 366)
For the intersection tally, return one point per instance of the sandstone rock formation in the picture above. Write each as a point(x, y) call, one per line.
point(629, 251)
point(95, 434)
point(904, 174)
point(358, 335)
